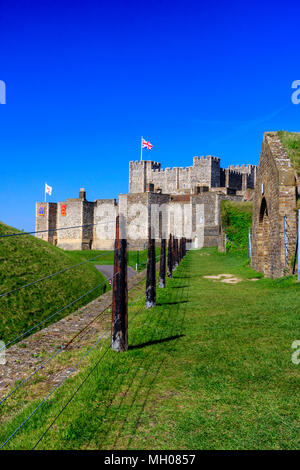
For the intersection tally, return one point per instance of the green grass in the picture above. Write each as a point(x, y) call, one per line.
point(291, 142)
point(24, 259)
point(133, 257)
point(236, 218)
point(209, 368)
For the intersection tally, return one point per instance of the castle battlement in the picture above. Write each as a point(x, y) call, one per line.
point(242, 168)
point(91, 225)
point(205, 171)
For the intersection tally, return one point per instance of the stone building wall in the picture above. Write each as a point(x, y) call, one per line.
point(88, 222)
point(274, 198)
point(205, 171)
point(69, 214)
point(104, 230)
point(182, 200)
point(234, 180)
point(46, 220)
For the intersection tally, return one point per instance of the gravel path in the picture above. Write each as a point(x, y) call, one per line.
point(24, 357)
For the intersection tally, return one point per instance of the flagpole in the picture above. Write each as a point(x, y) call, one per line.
point(141, 148)
point(45, 193)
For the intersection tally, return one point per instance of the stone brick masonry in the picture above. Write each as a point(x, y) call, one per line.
point(274, 198)
point(182, 201)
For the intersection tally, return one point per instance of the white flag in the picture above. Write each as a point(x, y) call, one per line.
point(48, 189)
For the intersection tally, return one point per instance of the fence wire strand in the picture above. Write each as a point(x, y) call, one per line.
point(54, 229)
point(53, 390)
point(53, 314)
point(54, 274)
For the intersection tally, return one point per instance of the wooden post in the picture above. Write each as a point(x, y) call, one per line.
point(170, 256)
point(162, 267)
point(225, 243)
point(180, 249)
point(119, 330)
point(174, 253)
point(150, 283)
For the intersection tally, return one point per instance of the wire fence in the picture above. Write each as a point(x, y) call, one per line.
point(65, 346)
point(17, 234)
point(53, 315)
point(61, 349)
point(54, 274)
point(53, 390)
point(60, 383)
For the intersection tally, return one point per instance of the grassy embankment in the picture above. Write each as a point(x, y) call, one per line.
point(236, 218)
point(291, 142)
point(208, 368)
point(24, 259)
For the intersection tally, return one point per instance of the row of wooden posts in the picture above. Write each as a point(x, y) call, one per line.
point(176, 252)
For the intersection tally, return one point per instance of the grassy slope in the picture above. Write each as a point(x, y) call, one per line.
point(24, 259)
point(291, 142)
point(236, 219)
point(133, 257)
point(227, 383)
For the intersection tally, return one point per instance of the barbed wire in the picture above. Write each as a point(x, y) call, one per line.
point(54, 274)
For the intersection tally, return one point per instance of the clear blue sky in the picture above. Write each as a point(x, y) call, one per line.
point(85, 79)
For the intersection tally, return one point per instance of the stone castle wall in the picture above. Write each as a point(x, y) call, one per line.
point(182, 201)
point(274, 199)
point(206, 171)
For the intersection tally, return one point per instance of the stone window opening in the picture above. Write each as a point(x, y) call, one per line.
point(263, 210)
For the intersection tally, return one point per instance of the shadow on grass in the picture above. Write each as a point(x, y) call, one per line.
point(178, 287)
point(156, 341)
point(139, 387)
point(161, 304)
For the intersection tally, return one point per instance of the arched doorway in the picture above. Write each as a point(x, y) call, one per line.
point(264, 238)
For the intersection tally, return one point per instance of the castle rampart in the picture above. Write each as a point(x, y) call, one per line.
point(206, 171)
point(181, 200)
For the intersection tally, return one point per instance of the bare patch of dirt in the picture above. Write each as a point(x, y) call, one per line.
point(226, 278)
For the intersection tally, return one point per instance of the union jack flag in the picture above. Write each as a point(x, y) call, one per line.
point(146, 144)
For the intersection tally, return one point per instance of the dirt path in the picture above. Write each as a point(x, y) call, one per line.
point(24, 357)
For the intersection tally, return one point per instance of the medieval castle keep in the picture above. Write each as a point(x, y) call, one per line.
point(182, 201)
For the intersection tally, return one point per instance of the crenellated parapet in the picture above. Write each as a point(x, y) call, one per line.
point(205, 171)
point(147, 175)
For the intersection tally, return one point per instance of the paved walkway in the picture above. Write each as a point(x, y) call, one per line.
point(108, 271)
